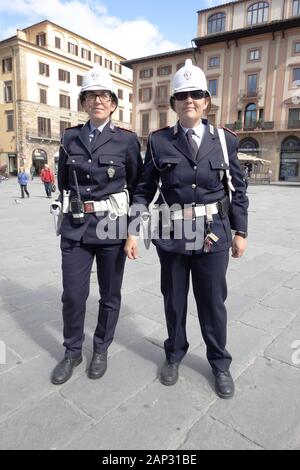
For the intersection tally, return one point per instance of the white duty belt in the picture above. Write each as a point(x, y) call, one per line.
point(196, 211)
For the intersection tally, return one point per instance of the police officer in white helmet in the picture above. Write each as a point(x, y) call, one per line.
point(99, 167)
point(203, 190)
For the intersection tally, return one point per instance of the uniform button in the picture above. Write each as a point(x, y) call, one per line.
point(193, 204)
point(195, 168)
point(73, 161)
point(89, 161)
point(194, 186)
point(111, 162)
point(88, 177)
point(194, 219)
point(88, 189)
point(169, 165)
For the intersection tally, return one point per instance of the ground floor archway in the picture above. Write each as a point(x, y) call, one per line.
point(290, 159)
point(39, 159)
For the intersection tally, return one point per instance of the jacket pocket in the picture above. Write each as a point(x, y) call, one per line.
point(169, 171)
point(216, 173)
point(114, 166)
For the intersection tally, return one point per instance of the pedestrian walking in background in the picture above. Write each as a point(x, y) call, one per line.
point(47, 178)
point(23, 181)
point(32, 172)
point(197, 165)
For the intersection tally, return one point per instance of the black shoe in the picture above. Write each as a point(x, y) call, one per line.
point(224, 384)
point(64, 369)
point(98, 365)
point(169, 373)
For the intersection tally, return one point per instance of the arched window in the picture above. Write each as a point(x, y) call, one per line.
point(296, 7)
point(250, 116)
point(216, 23)
point(249, 145)
point(258, 13)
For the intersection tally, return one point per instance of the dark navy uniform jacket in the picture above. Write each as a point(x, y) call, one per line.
point(116, 149)
point(189, 182)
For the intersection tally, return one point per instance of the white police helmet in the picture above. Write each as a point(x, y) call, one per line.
point(97, 79)
point(189, 78)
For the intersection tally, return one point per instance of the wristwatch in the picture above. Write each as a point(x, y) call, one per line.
point(241, 234)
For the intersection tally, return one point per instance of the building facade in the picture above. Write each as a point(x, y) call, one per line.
point(250, 53)
point(41, 74)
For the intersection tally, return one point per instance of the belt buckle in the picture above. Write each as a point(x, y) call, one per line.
point(89, 207)
point(188, 213)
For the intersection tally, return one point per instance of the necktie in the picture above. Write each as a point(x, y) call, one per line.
point(96, 134)
point(192, 143)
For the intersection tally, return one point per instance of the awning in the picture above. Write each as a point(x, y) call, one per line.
point(245, 157)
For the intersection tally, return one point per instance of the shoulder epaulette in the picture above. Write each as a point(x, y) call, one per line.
point(123, 129)
point(229, 130)
point(162, 129)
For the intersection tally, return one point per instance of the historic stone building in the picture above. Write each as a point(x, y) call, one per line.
point(40, 79)
point(250, 53)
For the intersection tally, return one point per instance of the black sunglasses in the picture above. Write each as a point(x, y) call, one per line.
point(195, 95)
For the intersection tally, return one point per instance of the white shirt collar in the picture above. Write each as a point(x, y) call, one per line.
point(92, 127)
point(198, 129)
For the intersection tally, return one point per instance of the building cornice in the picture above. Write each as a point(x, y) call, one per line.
point(73, 34)
point(163, 55)
point(18, 42)
point(270, 27)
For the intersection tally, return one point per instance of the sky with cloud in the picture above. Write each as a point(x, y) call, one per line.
point(132, 28)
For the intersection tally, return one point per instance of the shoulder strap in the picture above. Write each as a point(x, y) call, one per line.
point(226, 159)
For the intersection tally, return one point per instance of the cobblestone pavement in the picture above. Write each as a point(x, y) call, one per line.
point(128, 408)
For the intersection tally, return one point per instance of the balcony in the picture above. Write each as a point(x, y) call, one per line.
point(246, 95)
point(261, 125)
point(32, 135)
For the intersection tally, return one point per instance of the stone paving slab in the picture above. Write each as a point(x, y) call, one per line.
point(155, 418)
point(266, 407)
point(210, 434)
point(44, 424)
point(128, 407)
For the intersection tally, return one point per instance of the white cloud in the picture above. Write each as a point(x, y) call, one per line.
point(128, 38)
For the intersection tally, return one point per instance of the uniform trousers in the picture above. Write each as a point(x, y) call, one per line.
point(77, 261)
point(210, 290)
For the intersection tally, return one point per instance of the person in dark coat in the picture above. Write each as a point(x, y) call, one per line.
point(196, 187)
point(99, 167)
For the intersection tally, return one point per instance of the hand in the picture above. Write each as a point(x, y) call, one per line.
point(131, 247)
point(238, 246)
